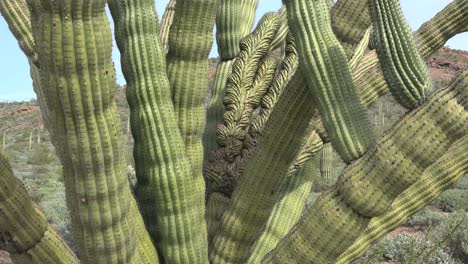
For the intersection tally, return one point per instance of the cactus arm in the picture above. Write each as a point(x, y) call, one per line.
point(82, 79)
point(370, 185)
point(17, 14)
point(168, 198)
point(166, 23)
point(282, 31)
point(190, 42)
point(250, 205)
point(216, 206)
point(431, 36)
point(432, 183)
point(293, 193)
point(350, 20)
point(329, 77)
point(233, 22)
point(326, 162)
point(24, 230)
point(360, 50)
point(404, 70)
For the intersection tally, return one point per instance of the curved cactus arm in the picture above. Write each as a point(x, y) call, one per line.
point(252, 201)
point(430, 37)
point(404, 70)
point(168, 198)
point(166, 23)
point(80, 85)
point(440, 176)
point(234, 21)
point(350, 20)
point(17, 15)
point(329, 77)
point(369, 186)
point(24, 230)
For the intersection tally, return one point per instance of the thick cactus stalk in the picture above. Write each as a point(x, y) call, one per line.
point(82, 80)
point(168, 197)
point(24, 230)
point(187, 70)
point(233, 22)
point(404, 70)
point(360, 50)
point(369, 186)
point(329, 77)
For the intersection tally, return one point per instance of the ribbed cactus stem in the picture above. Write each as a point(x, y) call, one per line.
point(166, 23)
point(326, 162)
point(79, 73)
point(169, 198)
point(328, 76)
point(360, 50)
point(440, 176)
point(404, 69)
point(24, 230)
point(430, 37)
point(253, 200)
point(293, 193)
point(282, 31)
point(190, 42)
point(350, 20)
point(369, 186)
point(17, 15)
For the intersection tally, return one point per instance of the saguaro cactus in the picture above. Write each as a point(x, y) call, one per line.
point(227, 184)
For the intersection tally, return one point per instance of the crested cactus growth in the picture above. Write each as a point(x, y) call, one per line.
point(233, 21)
point(273, 123)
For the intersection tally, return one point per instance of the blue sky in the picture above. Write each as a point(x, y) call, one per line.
point(15, 84)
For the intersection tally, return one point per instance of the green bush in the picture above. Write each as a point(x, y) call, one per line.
point(453, 233)
point(406, 249)
point(452, 200)
point(425, 217)
point(463, 183)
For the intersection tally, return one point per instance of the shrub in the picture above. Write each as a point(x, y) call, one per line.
point(452, 200)
point(425, 217)
point(453, 232)
point(406, 249)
